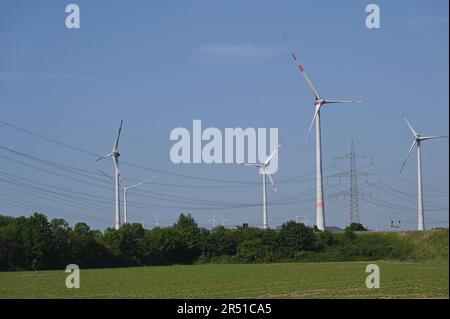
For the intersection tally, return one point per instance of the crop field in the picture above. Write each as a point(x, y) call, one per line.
point(290, 280)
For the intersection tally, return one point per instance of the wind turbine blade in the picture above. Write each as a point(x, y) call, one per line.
point(343, 101)
point(273, 154)
point(116, 143)
point(140, 183)
point(302, 71)
point(270, 157)
point(274, 187)
point(312, 123)
point(409, 124)
point(104, 156)
point(249, 165)
point(423, 138)
point(314, 118)
point(407, 155)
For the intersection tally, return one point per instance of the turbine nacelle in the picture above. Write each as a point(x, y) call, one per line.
point(319, 102)
point(115, 154)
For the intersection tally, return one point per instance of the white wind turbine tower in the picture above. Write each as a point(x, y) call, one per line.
point(417, 140)
point(263, 171)
point(115, 156)
point(318, 103)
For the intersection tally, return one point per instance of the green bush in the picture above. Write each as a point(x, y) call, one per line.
point(36, 243)
point(356, 227)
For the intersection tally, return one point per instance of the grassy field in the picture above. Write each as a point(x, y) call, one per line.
point(291, 280)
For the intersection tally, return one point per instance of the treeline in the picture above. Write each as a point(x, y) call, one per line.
point(36, 243)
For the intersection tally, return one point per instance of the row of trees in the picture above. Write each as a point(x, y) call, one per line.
point(36, 243)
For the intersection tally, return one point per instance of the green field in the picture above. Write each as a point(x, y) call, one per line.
point(290, 280)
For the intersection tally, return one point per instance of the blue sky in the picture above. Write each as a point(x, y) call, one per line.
point(162, 64)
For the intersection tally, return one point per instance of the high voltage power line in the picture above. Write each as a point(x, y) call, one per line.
point(99, 204)
point(48, 110)
point(96, 155)
point(249, 184)
point(292, 199)
point(146, 194)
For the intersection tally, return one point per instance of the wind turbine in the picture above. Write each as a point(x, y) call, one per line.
point(125, 194)
point(263, 171)
point(318, 103)
point(157, 220)
point(213, 221)
point(115, 156)
point(125, 197)
point(417, 140)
